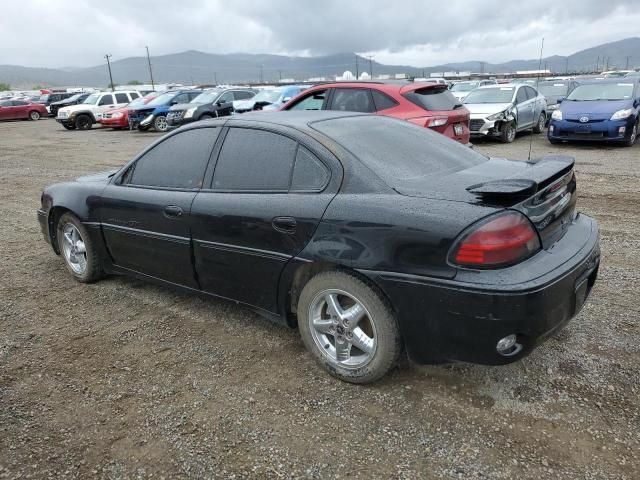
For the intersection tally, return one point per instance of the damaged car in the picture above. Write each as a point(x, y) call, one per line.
point(501, 111)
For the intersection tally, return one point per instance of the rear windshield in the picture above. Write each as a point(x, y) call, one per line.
point(400, 153)
point(434, 98)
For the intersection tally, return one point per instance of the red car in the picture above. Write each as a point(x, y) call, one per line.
point(426, 104)
point(19, 109)
point(119, 117)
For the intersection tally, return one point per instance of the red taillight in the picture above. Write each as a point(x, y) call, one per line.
point(497, 242)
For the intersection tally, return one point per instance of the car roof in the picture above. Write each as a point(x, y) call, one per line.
point(505, 85)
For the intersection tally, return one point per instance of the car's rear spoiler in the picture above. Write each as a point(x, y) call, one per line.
point(541, 173)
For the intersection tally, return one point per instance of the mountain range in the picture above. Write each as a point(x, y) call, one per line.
point(195, 67)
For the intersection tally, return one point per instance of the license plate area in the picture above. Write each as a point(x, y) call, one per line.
point(583, 129)
point(458, 129)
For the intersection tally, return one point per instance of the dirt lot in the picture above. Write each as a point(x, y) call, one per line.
point(121, 379)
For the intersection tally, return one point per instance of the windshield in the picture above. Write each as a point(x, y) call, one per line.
point(464, 86)
point(208, 96)
point(92, 99)
point(269, 96)
point(44, 98)
point(400, 153)
point(137, 102)
point(490, 95)
point(162, 99)
point(602, 91)
point(553, 89)
point(75, 97)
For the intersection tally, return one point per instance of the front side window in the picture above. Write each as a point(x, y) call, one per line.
point(106, 100)
point(254, 160)
point(352, 100)
point(521, 96)
point(178, 162)
point(313, 101)
point(122, 98)
point(226, 97)
point(134, 95)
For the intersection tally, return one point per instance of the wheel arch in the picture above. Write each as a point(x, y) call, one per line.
point(298, 274)
point(54, 217)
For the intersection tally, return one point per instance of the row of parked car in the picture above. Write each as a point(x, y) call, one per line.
point(573, 109)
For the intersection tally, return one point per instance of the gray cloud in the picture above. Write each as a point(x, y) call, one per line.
point(80, 32)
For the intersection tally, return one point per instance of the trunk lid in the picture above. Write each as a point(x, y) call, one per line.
point(543, 189)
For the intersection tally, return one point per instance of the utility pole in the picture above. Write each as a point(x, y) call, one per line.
point(108, 56)
point(153, 87)
point(566, 66)
point(628, 58)
point(215, 78)
point(370, 57)
point(597, 63)
point(261, 73)
point(357, 72)
point(280, 74)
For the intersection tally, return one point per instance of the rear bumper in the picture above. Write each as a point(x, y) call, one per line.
point(453, 320)
point(608, 130)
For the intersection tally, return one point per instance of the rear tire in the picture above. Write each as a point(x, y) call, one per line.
point(83, 122)
point(143, 128)
point(34, 115)
point(205, 116)
point(368, 341)
point(508, 132)
point(542, 121)
point(76, 248)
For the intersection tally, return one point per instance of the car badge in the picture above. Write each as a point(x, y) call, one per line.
point(584, 119)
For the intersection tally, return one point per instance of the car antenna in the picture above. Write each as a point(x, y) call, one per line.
point(534, 107)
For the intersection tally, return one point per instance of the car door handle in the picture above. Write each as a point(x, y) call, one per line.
point(284, 224)
point(172, 211)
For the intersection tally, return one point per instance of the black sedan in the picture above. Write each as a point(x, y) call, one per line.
point(371, 235)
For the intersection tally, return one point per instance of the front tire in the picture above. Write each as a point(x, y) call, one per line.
point(348, 327)
point(205, 116)
point(34, 115)
point(633, 137)
point(508, 132)
point(75, 245)
point(160, 124)
point(69, 126)
point(542, 121)
point(83, 122)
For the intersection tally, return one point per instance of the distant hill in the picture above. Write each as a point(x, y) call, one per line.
point(200, 67)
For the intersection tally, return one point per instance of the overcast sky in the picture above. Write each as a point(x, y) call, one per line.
point(58, 33)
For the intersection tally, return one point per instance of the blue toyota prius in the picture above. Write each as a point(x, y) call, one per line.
point(601, 110)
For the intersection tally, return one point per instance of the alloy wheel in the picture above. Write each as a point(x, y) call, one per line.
point(73, 248)
point(161, 124)
point(342, 329)
point(34, 115)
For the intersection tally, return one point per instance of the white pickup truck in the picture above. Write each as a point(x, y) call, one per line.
point(84, 115)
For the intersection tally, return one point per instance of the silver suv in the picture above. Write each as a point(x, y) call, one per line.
point(503, 110)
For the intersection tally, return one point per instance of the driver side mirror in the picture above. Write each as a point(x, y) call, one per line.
point(560, 100)
point(286, 99)
point(173, 102)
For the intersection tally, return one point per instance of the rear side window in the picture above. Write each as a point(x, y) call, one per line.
point(122, 98)
point(242, 95)
point(178, 162)
point(382, 100)
point(309, 173)
point(134, 95)
point(106, 100)
point(313, 101)
point(433, 98)
point(254, 160)
point(352, 100)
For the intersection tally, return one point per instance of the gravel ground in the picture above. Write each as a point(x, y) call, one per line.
point(121, 379)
